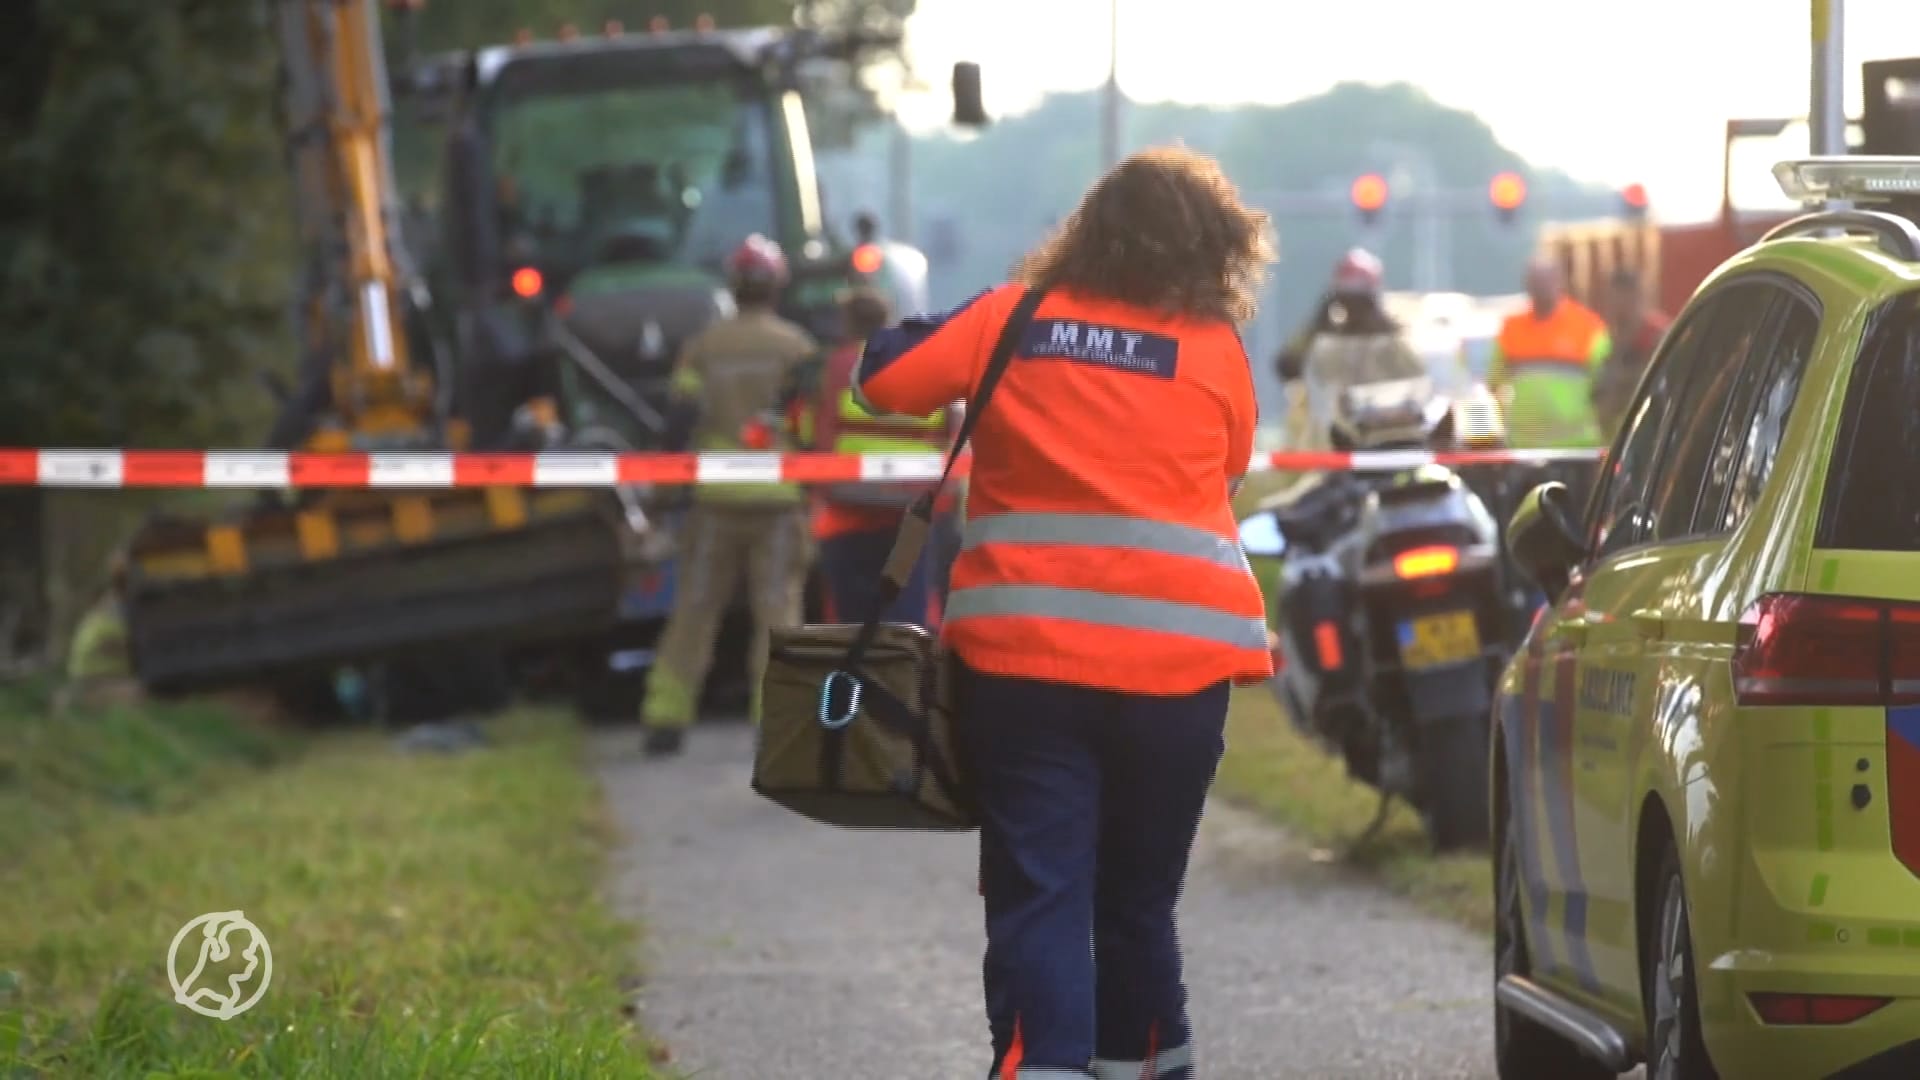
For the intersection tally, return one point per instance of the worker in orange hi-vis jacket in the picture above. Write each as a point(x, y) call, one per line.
point(1101, 606)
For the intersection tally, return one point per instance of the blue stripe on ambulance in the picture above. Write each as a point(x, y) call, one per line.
point(1556, 772)
point(1517, 737)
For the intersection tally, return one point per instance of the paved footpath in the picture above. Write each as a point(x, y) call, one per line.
point(783, 950)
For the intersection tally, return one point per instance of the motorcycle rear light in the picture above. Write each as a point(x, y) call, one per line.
point(1426, 561)
point(1814, 1009)
point(1326, 642)
point(1827, 650)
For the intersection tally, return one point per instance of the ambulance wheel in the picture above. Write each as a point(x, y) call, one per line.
point(1522, 1049)
point(1452, 786)
point(1675, 1048)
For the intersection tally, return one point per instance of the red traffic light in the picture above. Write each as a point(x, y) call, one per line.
point(1369, 192)
point(1635, 196)
point(527, 283)
point(1507, 191)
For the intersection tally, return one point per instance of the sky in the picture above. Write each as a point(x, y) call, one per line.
point(1637, 92)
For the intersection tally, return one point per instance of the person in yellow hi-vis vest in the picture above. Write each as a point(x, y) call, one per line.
point(728, 387)
point(855, 523)
point(1545, 365)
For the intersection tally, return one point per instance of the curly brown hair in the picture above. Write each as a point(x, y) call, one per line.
point(1165, 230)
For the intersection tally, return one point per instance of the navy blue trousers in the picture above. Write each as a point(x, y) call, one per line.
point(1090, 800)
point(851, 564)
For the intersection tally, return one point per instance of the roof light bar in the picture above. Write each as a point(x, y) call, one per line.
point(1852, 178)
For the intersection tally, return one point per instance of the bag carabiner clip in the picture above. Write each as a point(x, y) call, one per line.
point(835, 723)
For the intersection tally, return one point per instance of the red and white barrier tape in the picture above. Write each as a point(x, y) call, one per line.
point(584, 468)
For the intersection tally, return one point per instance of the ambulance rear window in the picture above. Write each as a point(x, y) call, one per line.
point(1872, 500)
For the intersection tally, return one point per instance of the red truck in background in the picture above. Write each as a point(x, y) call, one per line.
point(1674, 259)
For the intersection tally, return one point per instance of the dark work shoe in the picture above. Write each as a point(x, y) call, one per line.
point(664, 741)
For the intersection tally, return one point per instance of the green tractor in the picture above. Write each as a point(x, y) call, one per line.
point(589, 192)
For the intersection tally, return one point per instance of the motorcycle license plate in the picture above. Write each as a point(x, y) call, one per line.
point(1438, 640)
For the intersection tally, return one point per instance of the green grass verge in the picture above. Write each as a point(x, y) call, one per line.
point(428, 916)
point(59, 773)
point(1272, 768)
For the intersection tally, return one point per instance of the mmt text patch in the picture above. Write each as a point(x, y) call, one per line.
point(1114, 347)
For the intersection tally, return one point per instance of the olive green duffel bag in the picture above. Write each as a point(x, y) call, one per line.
point(863, 745)
point(856, 720)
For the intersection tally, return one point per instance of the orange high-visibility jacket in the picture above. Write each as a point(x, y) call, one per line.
point(1551, 365)
point(1100, 546)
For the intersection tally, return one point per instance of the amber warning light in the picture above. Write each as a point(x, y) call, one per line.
point(1507, 191)
point(1369, 192)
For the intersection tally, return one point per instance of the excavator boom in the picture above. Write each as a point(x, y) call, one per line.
point(337, 108)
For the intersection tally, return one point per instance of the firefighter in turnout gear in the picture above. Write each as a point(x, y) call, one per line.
point(855, 524)
point(730, 385)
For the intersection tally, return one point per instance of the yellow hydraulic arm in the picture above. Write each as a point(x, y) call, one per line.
point(356, 272)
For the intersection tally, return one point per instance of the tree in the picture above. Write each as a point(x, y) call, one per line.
point(135, 299)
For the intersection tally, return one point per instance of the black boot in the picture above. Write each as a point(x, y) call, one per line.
point(664, 741)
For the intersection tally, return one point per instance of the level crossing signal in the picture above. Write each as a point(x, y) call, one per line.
point(1633, 199)
point(1507, 192)
point(1369, 194)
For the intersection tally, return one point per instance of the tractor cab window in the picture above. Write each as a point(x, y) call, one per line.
point(594, 172)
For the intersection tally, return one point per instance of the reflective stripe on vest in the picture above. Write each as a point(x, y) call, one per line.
point(1106, 609)
point(1170, 1060)
point(854, 415)
point(1104, 530)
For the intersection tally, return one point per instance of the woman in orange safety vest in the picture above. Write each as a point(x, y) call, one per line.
point(1101, 606)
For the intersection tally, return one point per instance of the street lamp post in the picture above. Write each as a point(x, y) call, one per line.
point(1827, 104)
point(900, 182)
point(1433, 255)
point(1110, 100)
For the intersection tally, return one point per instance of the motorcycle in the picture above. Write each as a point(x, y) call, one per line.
point(1396, 612)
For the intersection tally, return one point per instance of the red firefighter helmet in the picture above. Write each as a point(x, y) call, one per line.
point(758, 260)
point(1358, 273)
